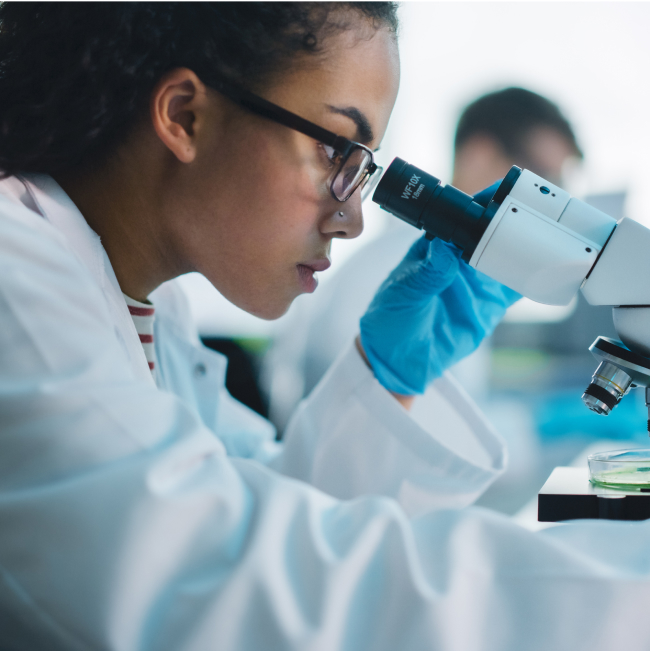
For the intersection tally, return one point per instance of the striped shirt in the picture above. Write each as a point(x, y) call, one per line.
point(143, 318)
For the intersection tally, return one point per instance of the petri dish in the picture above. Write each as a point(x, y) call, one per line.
point(625, 469)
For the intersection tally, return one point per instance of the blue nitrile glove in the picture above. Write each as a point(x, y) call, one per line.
point(433, 310)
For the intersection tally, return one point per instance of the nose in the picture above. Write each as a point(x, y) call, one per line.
point(346, 220)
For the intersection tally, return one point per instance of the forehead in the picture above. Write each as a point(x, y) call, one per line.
point(359, 71)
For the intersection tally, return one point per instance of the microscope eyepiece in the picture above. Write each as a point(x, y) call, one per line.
point(441, 210)
point(405, 190)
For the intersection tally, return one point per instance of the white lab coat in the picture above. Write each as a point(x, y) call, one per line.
point(138, 518)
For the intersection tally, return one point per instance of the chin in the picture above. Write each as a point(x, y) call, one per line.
point(272, 313)
point(269, 310)
point(262, 302)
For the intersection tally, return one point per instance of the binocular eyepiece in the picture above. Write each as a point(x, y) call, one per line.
point(441, 210)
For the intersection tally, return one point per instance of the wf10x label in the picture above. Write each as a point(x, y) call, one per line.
point(409, 191)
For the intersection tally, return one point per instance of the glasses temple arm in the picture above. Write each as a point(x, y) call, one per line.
point(267, 109)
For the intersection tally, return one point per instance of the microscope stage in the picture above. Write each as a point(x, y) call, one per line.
point(569, 495)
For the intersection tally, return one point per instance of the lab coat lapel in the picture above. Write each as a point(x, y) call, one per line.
point(85, 244)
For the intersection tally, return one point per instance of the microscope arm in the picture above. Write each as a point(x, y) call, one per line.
point(621, 278)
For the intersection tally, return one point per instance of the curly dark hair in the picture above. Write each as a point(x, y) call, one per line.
point(74, 77)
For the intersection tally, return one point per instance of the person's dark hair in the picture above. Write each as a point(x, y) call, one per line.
point(509, 116)
point(74, 77)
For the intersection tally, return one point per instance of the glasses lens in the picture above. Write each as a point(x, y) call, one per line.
point(370, 183)
point(351, 174)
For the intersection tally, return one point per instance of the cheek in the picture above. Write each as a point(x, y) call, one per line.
point(262, 221)
point(272, 208)
point(268, 182)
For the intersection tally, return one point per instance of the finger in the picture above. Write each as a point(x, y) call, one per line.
point(438, 270)
point(419, 250)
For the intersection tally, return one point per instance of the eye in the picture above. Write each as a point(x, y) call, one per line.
point(333, 157)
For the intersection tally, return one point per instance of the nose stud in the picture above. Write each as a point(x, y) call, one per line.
point(341, 214)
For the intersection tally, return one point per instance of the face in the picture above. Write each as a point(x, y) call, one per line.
point(255, 214)
point(548, 152)
point(482, 160)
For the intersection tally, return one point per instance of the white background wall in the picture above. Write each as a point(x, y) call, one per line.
point(592, 58)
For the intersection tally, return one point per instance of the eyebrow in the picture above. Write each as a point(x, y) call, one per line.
point(364, 130)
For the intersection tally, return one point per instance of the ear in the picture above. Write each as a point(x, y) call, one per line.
point(178, 109)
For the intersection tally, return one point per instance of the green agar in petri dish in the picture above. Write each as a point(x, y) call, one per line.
point(623, 469)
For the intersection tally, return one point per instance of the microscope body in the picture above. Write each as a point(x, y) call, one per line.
point(536, 239)
point(548, 246)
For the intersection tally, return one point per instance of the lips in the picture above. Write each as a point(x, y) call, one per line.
point(317, 265)
point(306, 271)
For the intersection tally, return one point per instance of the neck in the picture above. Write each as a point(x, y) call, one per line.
point(118, 204)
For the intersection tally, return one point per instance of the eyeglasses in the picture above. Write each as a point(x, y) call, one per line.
point(355, 166)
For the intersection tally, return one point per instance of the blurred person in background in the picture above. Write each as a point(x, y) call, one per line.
point(513, 126)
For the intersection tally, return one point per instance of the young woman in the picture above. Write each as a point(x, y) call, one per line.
point(141, 507)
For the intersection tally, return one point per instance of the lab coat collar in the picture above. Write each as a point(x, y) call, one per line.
point(57, 207)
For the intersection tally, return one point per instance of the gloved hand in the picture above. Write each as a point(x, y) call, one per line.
point(433, 310)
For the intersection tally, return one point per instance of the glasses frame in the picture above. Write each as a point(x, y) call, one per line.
point(340, 144)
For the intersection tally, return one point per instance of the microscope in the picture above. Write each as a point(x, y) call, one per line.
point(538, 240)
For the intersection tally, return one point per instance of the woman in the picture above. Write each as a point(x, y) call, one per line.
point(141, 507)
